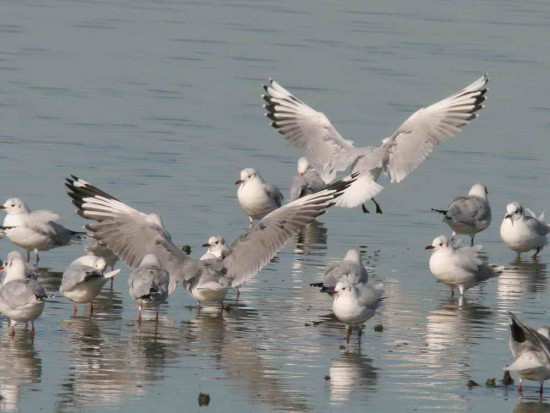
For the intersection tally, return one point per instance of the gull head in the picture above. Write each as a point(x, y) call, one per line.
point(303, 165)
point(246, 175)
point(438, 243)
point(342, 288)
point(514, 211)
point(216, 246)
point(353, 255)
point(479, 190)
point(15, 206)
point(14, 267)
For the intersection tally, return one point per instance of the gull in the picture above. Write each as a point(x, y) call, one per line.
point(83, 280)
point(256, 196)
point(532, 352)
point(21, 298)
point(350, 268)
point(149, 284)
point(132, 234)
point(35, 230)
point(354, 304)
point(306, 182)
point(468, 214)
point(459, 267)
point(96, 249)
point(30, 270)
point(523, 231)
point(397, 156)
point(216, 248)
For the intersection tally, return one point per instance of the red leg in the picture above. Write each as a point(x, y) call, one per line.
point(520, 387)
point(139, 317)
point(32, 331)
point(348, 334)
point(12, 333)
point(75, 309)
point(91, 308)
point(157, 317)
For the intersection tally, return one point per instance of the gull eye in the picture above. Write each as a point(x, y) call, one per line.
point(441, 244)
point(216, 243)
point(12, 205)
point(343, 288)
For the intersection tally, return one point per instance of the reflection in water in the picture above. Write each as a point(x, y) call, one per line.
point(351, 372)
point(308, 243)
point(531, 407)
point(520, 278)
point(19, 365)
point(104, 369)
point(450, 331)
point(238, 347)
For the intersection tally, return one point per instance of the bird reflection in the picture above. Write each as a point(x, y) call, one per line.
point(20, 365)
point(237, 341)
point(104, 369)
point(450, 331)
point(522, 277)
point(531, 407)
point(308, 243)
point(351, 372)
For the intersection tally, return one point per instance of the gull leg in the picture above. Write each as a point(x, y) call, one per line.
point(139, 316)
point(360, 333)
point(452, 292)
point(472, 241)
point(157, 316)
point(12, 333)
point(536, 253)
point(91, 308)
point(75, 308)
point(198, 305)
point(541, 390)
point(238, 292)
point(461, 289)
point(348, 334)
point(27, 325)
point(520, 387)
point(37, 256)
point(378, 209)
point(28, 256)
point(32, 330)
point(364, 208)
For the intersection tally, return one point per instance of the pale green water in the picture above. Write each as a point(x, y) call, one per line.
point(159, 104)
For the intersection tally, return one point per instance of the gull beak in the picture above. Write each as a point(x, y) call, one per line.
point(302, 173)
point(206, 245)
point(239, 181)
point(1, 268)
point(2, 207)
point(508, 216)
point(429, 247)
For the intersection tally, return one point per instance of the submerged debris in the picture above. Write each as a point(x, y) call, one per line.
point(187, 249)
point(507, 380)
point(327, 377)
point(379, 328)
point(204, 399)
point(491, 382)
point(471, 383)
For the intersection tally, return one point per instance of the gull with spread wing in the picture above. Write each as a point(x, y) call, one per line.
point(306, 182)
point(532, 352)
point(132, 234)
point(398, 155)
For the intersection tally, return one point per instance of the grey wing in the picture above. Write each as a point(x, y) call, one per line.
point(146, 280)
point(307, 129)
point(129, 233)
point(370, 295)
point(416, 138)
point(274, 193)
point(470, 210)
point(332, 275)
point(314, 181)
point(75, 274)
point(21, 292)
point(541, 228)
point(255, 248)
point(524, 338)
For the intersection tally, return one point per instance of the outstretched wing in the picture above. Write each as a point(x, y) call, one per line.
point(256, 247)
point(416, 138)
point(129, 233)
point(308, 129)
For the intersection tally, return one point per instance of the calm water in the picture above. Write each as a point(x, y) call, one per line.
point(158, 102)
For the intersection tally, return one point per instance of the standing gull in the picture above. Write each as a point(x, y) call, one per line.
point(354, 304)
point(306, 182)
point(83, 280)
point(216, 248)
point(256, 196)
point(132, 234)
point(398, 155)
point(459, 267)
point(522, 232)
point(30, 270)
point(21, 298)
point(149, 284)
point(468, 214)
point(532, 352)
point(350, 268)
point(35, 230)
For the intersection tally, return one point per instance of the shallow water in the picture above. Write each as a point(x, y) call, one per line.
point(159, 104)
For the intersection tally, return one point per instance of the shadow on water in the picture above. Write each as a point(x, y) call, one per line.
point(20, 366)
point(524, 406)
